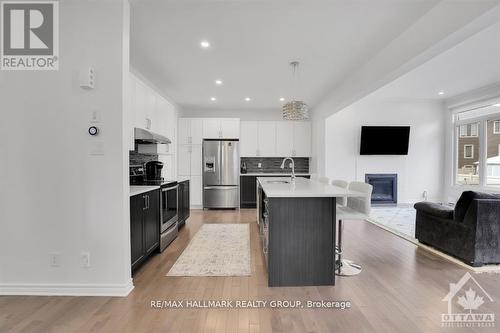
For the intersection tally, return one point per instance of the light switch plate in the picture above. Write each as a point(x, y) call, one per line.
point(95, 116)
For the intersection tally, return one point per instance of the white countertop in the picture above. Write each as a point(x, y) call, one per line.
point(303, 188)
point(276, 174)
point(134, 190)
point(182, 178)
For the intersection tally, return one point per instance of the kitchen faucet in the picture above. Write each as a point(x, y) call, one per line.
point(293, 166)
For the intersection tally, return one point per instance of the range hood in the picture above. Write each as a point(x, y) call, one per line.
point(143, 136)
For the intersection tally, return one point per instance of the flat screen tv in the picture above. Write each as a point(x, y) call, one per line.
point(384, 140)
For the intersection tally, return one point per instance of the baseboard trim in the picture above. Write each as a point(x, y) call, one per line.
point(483, 269)
point(26, 289)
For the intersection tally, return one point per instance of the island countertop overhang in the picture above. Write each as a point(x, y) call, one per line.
point(302, 188)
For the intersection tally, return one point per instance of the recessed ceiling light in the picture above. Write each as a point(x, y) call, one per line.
point(218, 82)
point(282, 99)
point(247, 99)
point(205, 44)
point(497, 105)
point(441, 93)
point(213, 99)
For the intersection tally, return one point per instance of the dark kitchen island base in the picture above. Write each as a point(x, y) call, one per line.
point(299, 240)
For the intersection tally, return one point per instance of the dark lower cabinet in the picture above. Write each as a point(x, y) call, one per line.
point(144, 226)
point(183, 203)
point(248, 190)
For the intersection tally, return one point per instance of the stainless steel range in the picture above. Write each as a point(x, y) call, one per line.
point(169, 201)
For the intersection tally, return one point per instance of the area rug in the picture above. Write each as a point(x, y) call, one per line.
point(216, 250)
point(401, 218)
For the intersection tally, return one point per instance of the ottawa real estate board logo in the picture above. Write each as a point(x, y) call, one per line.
point(465, 299)
point(29, 35)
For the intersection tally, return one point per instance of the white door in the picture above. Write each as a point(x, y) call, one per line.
point(267, 139)
point(230, 128)
point(196, 164)
point(211, 128)
point(302, 139)
point(249, 138)
point(184, 160)
point(195, 191)
point(196, 131)
point(284, 138)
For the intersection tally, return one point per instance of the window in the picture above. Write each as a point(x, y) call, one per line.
point(468, 151)
point(468, 145)
point(496, 127)
point(469, 130)
point(493, 153)
point(477, 146)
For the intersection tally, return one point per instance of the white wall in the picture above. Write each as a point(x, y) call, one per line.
point(55, 196)
point(423, 168)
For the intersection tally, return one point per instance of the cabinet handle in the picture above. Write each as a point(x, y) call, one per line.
point(148, 200)
point(145, 204)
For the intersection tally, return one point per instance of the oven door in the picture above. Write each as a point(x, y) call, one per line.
point(169, 206)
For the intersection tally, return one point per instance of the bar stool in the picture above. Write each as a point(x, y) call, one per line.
point(357, 208)
point(342, 201)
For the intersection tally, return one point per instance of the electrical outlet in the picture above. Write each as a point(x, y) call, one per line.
point(290, 165)
point(259, 165)
point(85, 256)
point(55, 259)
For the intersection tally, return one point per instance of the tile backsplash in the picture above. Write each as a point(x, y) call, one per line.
point(272, 164)
point(136, 158)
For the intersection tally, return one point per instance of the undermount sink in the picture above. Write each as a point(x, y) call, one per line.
point(277, 182)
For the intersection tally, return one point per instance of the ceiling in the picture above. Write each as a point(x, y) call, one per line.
point(472, 64)
point(252, 43)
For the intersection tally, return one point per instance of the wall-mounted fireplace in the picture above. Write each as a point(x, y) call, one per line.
point(385, 187)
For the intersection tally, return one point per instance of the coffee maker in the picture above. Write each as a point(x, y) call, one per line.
point(153, 170)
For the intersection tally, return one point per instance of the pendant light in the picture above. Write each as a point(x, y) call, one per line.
point(295, 109)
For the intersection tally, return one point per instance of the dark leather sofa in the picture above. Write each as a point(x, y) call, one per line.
point(470, 232)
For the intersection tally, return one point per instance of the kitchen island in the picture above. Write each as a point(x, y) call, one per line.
point(297, 224)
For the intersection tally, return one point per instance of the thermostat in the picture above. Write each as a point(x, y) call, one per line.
point(93, 130)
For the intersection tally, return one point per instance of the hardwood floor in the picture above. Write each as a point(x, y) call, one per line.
point(400, 289)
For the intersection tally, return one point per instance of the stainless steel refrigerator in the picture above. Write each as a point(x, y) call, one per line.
point(221, 173)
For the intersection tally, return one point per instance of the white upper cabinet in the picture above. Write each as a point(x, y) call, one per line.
point(211, 128)
point(284, 138)
point(184, 129)
point(301, 139)
point(249, 138)
point(190, 131)
point(196, 131)
point(267, 139)
point(221, 128)
point(149, 110)
point(230, 128)
point(275, 139)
